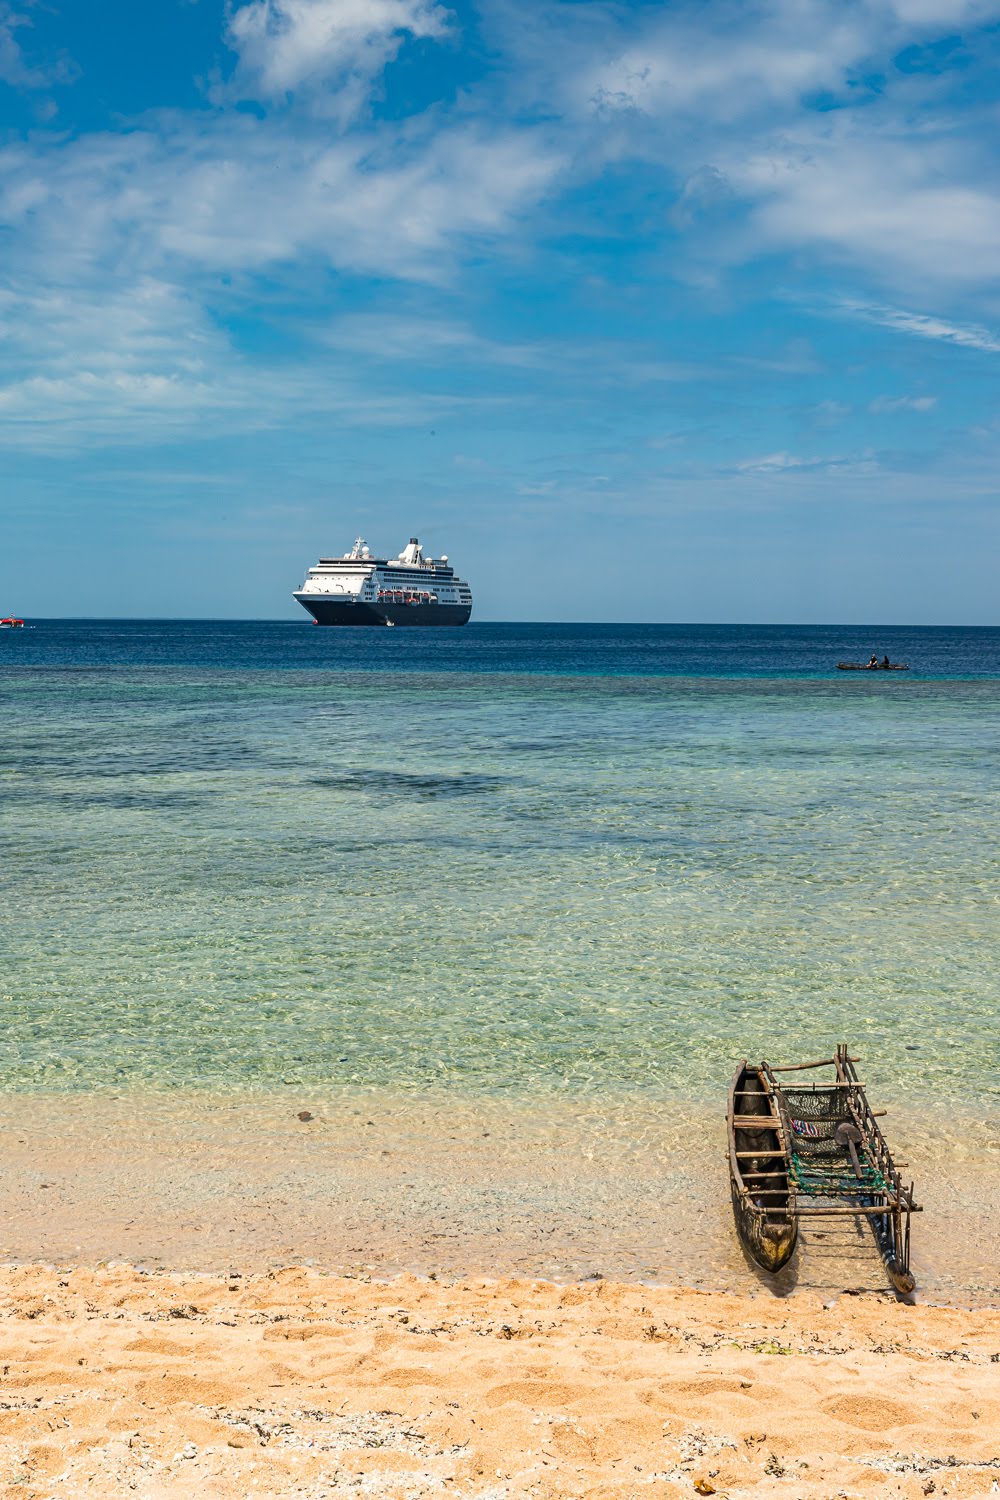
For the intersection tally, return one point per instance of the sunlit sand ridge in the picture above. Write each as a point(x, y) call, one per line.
point(299, 1384)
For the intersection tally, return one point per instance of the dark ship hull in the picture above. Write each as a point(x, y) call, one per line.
point(328, 611)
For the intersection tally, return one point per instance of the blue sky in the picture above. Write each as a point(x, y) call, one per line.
point(652, 312)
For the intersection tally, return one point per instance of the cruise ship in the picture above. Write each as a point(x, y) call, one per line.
point(411, 589)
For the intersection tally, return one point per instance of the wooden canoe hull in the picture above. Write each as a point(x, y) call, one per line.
point(771, 1245)
point(767, 1229)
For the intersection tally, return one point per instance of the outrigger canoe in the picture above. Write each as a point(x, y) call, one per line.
point(800, 1150)
point(758, 1170)
point(863, 666)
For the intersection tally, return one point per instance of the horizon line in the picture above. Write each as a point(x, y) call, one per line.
point(615, 624)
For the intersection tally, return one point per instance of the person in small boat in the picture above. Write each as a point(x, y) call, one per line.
point(885, 661)
point(874, 660)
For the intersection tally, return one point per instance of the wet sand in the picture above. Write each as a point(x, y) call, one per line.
point(295, 1383)
point(380, 1183)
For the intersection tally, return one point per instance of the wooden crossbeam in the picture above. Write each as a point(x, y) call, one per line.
point(821, 1088)
point(839, 1119)
point(857, 1210)
point(825, 1062)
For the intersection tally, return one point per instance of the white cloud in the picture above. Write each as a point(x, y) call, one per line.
point(119, 243)
point(90, 408)
point(923, 325)
point(829, 413)
point(14, 67)
point(911, 209)
point(235, 194)
point(734, 60)
point(732, 63)
point(120, 328)
point(946, 12)
point(40, 397)
point(86, 365)
point(798, 357)
point(774, 463)
point(720, 99)
point(708, 63)
point(395, 336)
point(783, 463)
point(285, 45)
point(883, 404)
point(82, 361)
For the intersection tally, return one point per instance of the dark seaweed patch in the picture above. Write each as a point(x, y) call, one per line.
point(402, 784)
point(95, 761)
point(146, 801)
point(542, 747)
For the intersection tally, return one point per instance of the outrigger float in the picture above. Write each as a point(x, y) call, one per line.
point(802, 1150)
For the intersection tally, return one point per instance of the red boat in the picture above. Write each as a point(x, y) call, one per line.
point(11, 623)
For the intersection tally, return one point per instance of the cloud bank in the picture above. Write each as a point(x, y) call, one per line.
point(789, 136)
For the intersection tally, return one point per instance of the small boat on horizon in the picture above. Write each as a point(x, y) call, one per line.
point(876, 666)
point(11, 622)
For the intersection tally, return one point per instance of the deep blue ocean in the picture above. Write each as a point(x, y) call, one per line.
point(592, 650)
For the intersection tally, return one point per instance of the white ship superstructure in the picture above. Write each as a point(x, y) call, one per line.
point(411, 589)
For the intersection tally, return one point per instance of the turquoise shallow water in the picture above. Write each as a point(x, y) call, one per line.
point(241, 866)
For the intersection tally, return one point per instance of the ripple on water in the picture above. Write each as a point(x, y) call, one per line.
point(494, 882)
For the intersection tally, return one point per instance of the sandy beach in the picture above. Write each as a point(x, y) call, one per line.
point(405, 1298)
point(295, 1383)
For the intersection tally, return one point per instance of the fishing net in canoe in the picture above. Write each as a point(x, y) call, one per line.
point(814, 1115)
point(830, 1180)
point(820, 1163)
